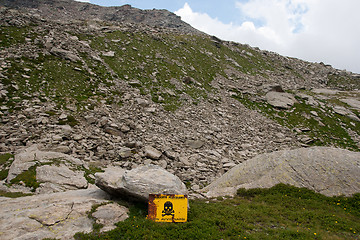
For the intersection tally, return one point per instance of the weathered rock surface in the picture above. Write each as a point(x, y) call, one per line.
point(59, 178)
point(152, 153)
point(110, 214)
point(139, 182)
point(354, 103)
point(31, 155)
point(280, 99)
point(57, 215)
point(329, 171)
point(53, 170)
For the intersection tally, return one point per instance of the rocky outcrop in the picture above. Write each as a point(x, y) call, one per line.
point(329, 171)
point(57, 215)
point(139, 182)
point(45, 172)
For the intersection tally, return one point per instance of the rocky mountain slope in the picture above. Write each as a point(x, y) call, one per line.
point(70, 10)
point(122, 86)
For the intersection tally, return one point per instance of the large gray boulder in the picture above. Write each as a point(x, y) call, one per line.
point(56, 215)
point(326, 170)
point(139, 182)
point(280, 99)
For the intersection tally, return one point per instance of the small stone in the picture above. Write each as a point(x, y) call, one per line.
point(195, 144)
point(150, 110)
point(142, 102)
point(314, 113)
point(152, 153)
point(125, 152)
point(63, 116)
point(108, 54)
point(162, 163)
point(130, 144)
point(184, 160)
point(125, 129)
point(229, 165)
point(113, 131)
point(195, 187)
point(77, 137)
point(62, 149)
point(170, 154)
point(57, 138)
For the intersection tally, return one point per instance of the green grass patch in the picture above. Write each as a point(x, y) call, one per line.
point(344, 82)
point(12, 35)
point(91, 171)
point(3, 174)
point(13, 194)
point(28, 177)
point(281, 212)
point(70, 120)
point(4, 159)
point(5, 162)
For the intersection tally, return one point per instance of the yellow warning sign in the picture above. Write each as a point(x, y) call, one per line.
point(168, 208)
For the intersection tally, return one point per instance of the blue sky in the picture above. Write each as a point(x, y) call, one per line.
point(314, 30)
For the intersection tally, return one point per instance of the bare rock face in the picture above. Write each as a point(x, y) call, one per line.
point(329, 171)
point(139, 182)
point(56, 215)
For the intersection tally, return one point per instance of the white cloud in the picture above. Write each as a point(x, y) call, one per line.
point(88, 1)
point(314, 30)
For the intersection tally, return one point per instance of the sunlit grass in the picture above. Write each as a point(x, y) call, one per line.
point(282, 212)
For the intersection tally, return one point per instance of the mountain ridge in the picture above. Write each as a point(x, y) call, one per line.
point(65, 10)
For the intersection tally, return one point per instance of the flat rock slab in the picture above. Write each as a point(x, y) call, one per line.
point(110, 214)
point(139, 182)
point(354, 103)
point(56, 215)
point(280, 99)
point(328, 171)
point(325, 91)
point(59, 178)
point(152, 153)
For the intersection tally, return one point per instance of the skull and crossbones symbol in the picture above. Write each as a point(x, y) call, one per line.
point(168, 209)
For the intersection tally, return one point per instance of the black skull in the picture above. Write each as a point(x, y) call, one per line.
point(168, 209)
